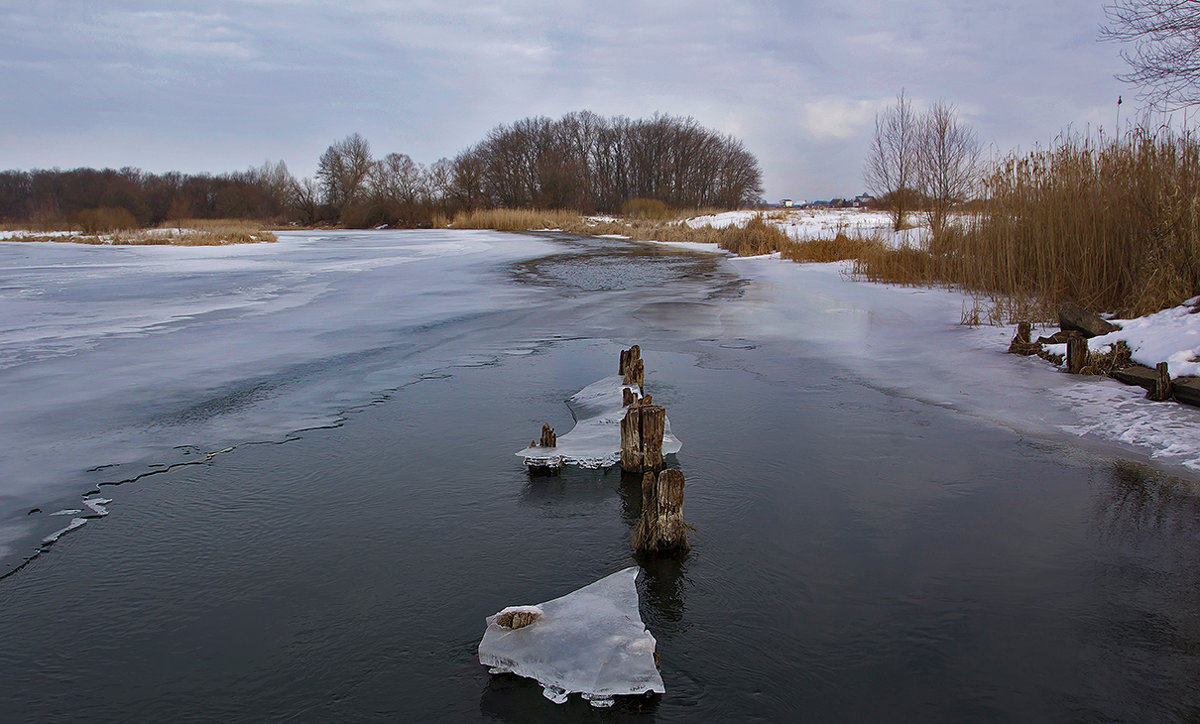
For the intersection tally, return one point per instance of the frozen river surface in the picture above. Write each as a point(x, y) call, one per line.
point(893, 519)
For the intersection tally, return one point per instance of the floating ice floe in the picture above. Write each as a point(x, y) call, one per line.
point(591, 642)
point(595, 441)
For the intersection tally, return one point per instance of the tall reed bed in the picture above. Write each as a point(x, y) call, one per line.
point(1113, 225)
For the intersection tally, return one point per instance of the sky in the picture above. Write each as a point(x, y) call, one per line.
point(228, 84)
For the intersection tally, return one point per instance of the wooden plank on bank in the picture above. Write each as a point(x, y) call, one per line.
point(1139, 375)
point(1186, 390)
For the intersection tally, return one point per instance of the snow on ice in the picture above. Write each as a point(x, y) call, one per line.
point(595, 441)
point(591, 642)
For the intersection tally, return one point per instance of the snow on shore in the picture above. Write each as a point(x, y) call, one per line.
point(911, 342)
point(806, 224)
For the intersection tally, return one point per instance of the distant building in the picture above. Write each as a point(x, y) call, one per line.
point(862, 200)
point(786, 203)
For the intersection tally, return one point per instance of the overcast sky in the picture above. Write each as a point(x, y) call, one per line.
point(226, 84)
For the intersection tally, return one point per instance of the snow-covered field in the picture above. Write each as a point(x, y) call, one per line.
point(805, 224)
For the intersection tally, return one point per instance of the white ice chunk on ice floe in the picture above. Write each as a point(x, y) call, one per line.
point(591, 642)
point(595, 441)
point(97, 505)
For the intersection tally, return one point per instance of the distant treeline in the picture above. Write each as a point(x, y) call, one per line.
point(582, 162)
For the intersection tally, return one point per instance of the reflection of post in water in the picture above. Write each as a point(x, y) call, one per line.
point(1141, 501)
point(663, 589)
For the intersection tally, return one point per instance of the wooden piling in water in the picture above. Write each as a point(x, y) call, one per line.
point(627, 357)
point(642, 431)
point(549, 439)
point(627, 397)
point(661, 528)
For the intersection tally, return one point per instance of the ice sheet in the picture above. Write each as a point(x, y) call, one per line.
point(595, 441)
point(591, 642)
point(128, 357)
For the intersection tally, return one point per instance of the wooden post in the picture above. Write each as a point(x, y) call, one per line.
point(1162, 383)
point(627, 358)
point(631, 441)
point(661, 528)
point(635, 372)
point(549, 439)
point(1077, 353)
point(1023, 332)
point(642, 431)
point(653, 423)
point(627, 397)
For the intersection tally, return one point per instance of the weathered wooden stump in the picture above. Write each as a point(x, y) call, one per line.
point(627, 357)
point(627, 397)
point(642, 431)
point(1077, 354)
point(1162, 383)
point(635, 373)
point(661, 528)
point(1020, 343)
point(549, 439)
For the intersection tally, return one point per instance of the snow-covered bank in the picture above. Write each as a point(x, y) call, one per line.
point(806, 224)
point(911, 342)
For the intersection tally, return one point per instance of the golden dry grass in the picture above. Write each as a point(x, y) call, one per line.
point(190, 232)
point(1111, 225)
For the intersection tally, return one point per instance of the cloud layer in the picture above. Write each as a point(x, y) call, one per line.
point(234, 83)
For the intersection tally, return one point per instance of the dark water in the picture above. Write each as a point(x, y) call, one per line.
point(857, 556)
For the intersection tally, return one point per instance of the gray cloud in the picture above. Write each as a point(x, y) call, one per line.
point(228, 84)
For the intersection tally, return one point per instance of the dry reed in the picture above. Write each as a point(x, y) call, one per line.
point(1111, 225)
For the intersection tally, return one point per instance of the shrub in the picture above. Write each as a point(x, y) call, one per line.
point(103, 220)
point(651, 209)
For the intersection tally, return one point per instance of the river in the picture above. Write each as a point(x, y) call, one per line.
point(308, 449)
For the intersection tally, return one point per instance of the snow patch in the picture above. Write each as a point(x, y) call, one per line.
point(591, 642)
point(595, 441)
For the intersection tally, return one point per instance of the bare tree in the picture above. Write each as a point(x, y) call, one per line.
point(946, 162)
point(891, 169)
point(343, 170)
point(304, 199)
point(1165, 58)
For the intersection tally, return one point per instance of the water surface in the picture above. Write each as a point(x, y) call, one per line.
point(858, 554)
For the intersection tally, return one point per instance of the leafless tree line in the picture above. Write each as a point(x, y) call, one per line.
point(49, 198)
point(582, 161)
point(921, 160)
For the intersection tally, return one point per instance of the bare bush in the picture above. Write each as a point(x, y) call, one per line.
point(947, 157)
point(891, 168)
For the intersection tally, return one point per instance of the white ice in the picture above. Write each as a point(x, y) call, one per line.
point(136, 355)
point(595, 441)
point(591, 642)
